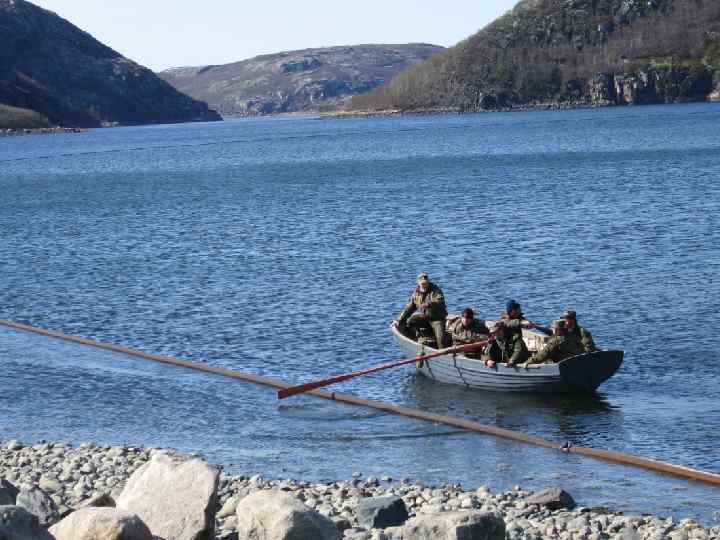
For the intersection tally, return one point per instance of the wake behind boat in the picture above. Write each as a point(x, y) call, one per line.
point(581, 373)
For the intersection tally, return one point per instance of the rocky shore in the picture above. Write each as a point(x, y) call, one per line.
point(39, 131)
point(57, 491)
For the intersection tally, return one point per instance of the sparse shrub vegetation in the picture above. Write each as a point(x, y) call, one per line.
point(16, 118)
point(548, 50)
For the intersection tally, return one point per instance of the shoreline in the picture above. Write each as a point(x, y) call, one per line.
point(19, 132)
point(72, 476)
point(530, 107)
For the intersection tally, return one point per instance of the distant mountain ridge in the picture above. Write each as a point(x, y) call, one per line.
point(67, 77)
point(563, 53)
point(304, 80)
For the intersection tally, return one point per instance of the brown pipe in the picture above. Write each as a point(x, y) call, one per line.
point(606, 455)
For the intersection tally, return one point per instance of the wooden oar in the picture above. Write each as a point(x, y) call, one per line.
point(301, 388)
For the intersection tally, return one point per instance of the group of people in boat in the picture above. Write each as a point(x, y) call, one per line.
point(425, 318)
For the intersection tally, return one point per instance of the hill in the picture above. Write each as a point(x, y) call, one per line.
point(558, 53)
point(51, 67)
point(306, 80)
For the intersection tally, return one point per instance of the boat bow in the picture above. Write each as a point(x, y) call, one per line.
point(588, 371)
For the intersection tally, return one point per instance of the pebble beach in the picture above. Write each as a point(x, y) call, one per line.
point(75, 476)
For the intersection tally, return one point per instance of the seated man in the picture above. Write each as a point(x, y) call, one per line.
point(467, 329)
point(559, 347)
point(429, 299)
point(509, 348)
point(573, 328)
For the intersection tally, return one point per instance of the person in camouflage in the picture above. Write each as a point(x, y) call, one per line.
point(515, 320)
point(573, 328)
point(467, 329)
point(505, 346)
point(429, 299)
point(559, 347)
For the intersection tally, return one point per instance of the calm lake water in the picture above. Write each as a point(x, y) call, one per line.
point(284, 247)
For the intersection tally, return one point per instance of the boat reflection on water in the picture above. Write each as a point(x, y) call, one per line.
point(580, 419)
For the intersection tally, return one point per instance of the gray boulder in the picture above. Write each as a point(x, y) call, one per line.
point(382, 512)
point(39, 503)
point(101, 524)
point(553, 498)
point(276, 515)
point(18, 524)
point(174, 496)
point(8, 493)
point(472, 525)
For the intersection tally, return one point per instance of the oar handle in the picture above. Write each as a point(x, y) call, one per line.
point(307, 387)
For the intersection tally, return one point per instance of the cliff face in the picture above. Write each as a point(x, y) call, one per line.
point(570, 53)
point(49, 66)
point(307, 80)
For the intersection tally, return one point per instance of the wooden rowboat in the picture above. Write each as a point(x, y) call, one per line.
point(582, 373)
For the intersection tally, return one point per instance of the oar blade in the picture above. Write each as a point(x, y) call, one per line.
point(301, 389)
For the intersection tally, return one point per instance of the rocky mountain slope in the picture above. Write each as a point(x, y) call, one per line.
point(562, 53)
point(67, 77)
point(306, 80)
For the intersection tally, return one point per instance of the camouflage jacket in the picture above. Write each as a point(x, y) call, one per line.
point(435, 300)
point(585, 338)
point(512, 326)
point(558, 348)
point(475, 332)
point(510, 349)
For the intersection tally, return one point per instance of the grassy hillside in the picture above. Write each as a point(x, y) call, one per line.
point(569, 52)
point(16, 118)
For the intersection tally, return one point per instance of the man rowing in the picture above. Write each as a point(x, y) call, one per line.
point(505, 346)
point(429, 300)
point(559, 347)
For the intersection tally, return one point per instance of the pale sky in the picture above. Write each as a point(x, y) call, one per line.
point(169, 33)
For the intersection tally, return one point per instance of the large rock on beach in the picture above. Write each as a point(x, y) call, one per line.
point(382, 512)
point(452, 526)
point(277, 515)
point(101, 524)
point(553, 498)
point(8, 493)
point(16, 523)
point(39, 503)
point(174, 496)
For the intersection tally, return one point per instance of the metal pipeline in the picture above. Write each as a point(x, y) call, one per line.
point(606, 455)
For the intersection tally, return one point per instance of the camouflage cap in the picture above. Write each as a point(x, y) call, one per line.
point(568, 314)
point(422, 276)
